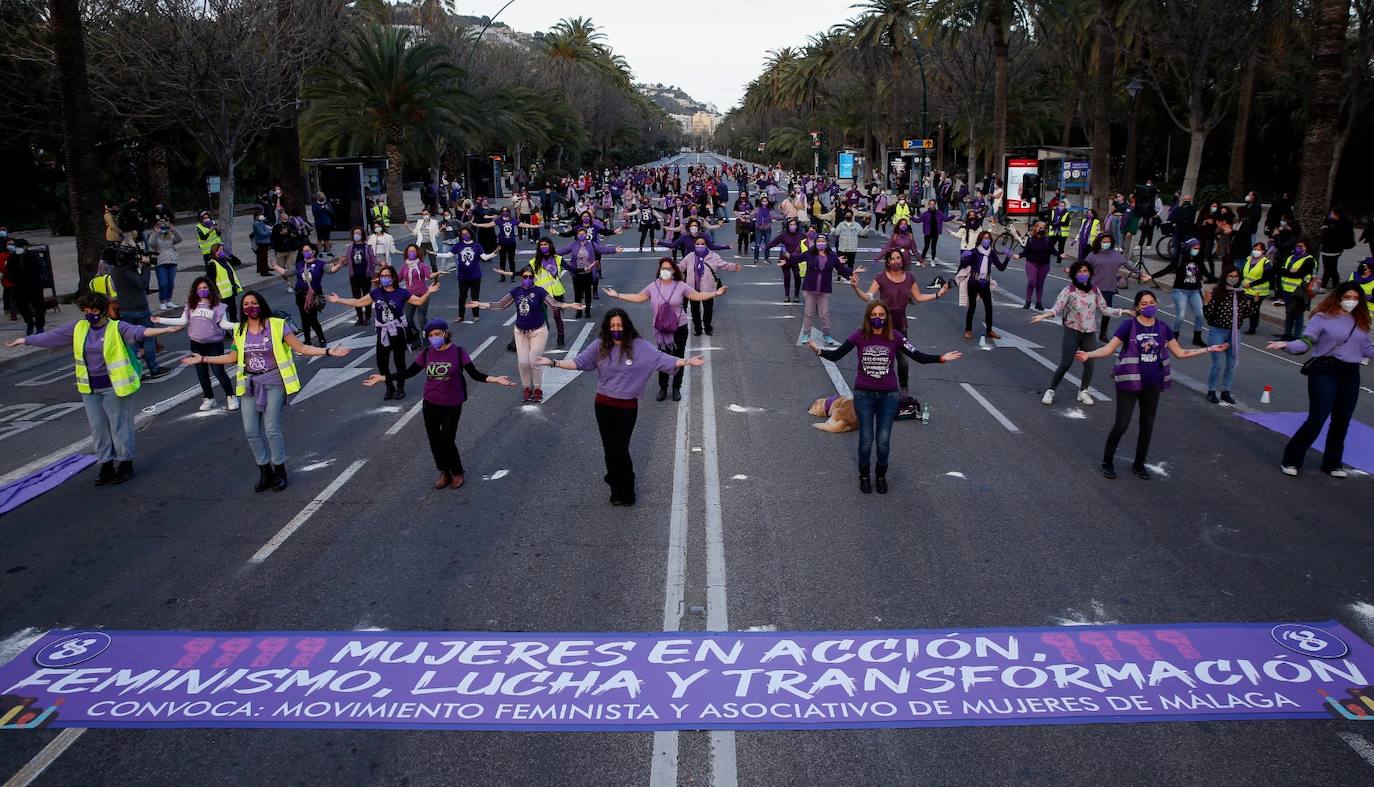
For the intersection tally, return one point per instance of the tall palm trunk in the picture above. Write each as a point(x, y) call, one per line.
point(78, 141)
point(1000, 52)
point(395, 165)
point(159, 174)
point(1323, 110)
point(1235, 179)
point(1100, 167)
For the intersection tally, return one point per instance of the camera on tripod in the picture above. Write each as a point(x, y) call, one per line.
point(122, 255)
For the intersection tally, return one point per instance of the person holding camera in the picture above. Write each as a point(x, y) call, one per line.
point(130, 272)
point(162, 245)
point(106, 377)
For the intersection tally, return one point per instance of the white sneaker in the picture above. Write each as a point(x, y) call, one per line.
point(207, 404)
point(1288, 470)
point(1340, 472)
point(172, 305)
point(231, 403)
point(1085, 398)
point(1048, 398)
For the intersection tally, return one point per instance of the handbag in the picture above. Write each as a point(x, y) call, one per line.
point(1324, 362)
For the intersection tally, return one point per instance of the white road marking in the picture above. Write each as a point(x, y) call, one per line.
point(316, 466)
point(724, 769)
point(1002, 419)
point(1094, 615)
point(663, 766)
point(766, 627)
point(510, 321)
point(305, 514)
point(497, 476)
point(15, 643)
point(740, 477)
point(1160, 469)
point(391, 408)
point(735, 408)
point(556, 380)
point(325, 379)
point(1361, 746)
point(40, 762)
point(1029, 349)
point(415, 410)
point(955, 474)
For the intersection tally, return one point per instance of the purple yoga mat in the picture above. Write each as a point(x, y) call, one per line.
point(17, 493)
point(1359, 441)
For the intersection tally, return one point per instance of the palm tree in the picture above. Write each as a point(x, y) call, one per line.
point(389, 92)
point(78, 138)
point(888, 26)
point(1323, 110)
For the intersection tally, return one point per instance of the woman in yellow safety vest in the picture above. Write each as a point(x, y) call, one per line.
point(219, 269)
point(266, 374)
point(1254, 277)
point(107, 375)
point(1363, 277)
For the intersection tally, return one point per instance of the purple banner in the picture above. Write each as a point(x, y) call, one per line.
point(685, 680)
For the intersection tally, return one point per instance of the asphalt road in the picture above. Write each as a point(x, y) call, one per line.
point(988, 524)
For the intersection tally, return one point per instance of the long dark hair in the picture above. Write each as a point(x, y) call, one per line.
point(868, 325)
point(627, 338)
point(1331, 305)
point(193, 300)
point(1221, 287)
point(264, 311)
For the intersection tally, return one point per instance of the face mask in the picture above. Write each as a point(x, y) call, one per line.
point(877, 322)
point(616, 334)
point(1232, 281)
point(412, 256)
point(251, 311)
point(203, 292)
point(424, 215)
point(357, 237)
point(1083, 278)
point(904, 229)
point(1148, 311)
point(581, 237)
point(526, 282)
point(377, 230)
point(9, 247)
point(1349, 305)
point(386, 281)
point(701, 251)
point(307, 255)
point(1194, 252)
point(665, 274)
point(436, 342)
point(987, 244)
point(91, 317)
point(1257, 253)
point(1299, 251)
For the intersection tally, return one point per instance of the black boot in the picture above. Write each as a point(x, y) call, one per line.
point(400, 389)
point(390, 389)
point(865, 485)
point(123, 472)
point(1197, 339)
point(627, 491)
point(106, 474)
point(264, 478)
point(662, 394)
point(882, 479)
point(278, 477)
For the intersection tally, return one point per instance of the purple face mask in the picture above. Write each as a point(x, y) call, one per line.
point(1148, 310)
point(617, 334)
point(877, 322)
point(203, 292)
point(307, 254)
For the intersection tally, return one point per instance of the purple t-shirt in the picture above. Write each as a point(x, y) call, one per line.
point(529, 307)
point(444, 383)
point(1152, 342)
point(672, 293)
point(621, 378)
point(877, 360)
point(93, 351)
point(389, 306)
point(203, 322)
point(258, 358)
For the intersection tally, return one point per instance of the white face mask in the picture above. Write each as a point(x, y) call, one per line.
point(1256, 253)
point(665, 274)
point(1349, 305)
point(1106, 246)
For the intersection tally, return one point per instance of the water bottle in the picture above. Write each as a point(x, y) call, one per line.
point(925, 413)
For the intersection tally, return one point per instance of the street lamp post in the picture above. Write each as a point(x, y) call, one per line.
point(925, 110)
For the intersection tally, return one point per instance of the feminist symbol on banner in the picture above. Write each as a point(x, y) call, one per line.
point(72, 650)
point(1307, 642)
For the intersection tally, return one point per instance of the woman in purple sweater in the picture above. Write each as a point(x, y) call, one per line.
point(790, 239)
point(624, 361)
point(206, 319)
point(875, 384)
point(443, 362)
point(1338, 338)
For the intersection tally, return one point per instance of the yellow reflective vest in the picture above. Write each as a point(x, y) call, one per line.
point(1289, 281)
point(546, 281)
point(1254, 271)
point(206, 238)
point(286, 362)
point(1368, 289)
point(225, 278)
point(103, 285)
point(120, 364)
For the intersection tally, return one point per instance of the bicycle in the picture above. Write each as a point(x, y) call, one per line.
point(1010, 242)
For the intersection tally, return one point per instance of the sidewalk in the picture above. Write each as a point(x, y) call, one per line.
point(63, 251)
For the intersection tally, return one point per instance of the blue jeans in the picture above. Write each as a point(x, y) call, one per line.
point(263, 430)
point(166, 277)
point(1183, 301)
point(112, 424)
point(140, 317)
point(876, 411)
point(1223, 364)
point(762, 236)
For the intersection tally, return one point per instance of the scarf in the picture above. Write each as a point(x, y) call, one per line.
point(699, 268)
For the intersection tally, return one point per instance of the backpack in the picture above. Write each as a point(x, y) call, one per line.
point(666, 316)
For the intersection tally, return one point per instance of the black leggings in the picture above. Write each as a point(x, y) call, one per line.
point(742, 237)
point(203, 370)
point(647, 232)
point(679, 349)
point(309, 319)
point(441, 425)
point(701, 315)
point(389, 355)
point(1329, 272)
point(507, 259)
point(1072, 342)
point(1125, 407)
point(361, 285)
point(975, 292)
point(790, 272)
point(1331, 393)
point(1255, 316)
point(583, 285)
point(617, 426)
point(468, 290)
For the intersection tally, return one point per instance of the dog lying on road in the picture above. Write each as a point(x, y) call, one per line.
point(839, 414)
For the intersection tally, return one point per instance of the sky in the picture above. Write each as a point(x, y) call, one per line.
point(709, 48)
